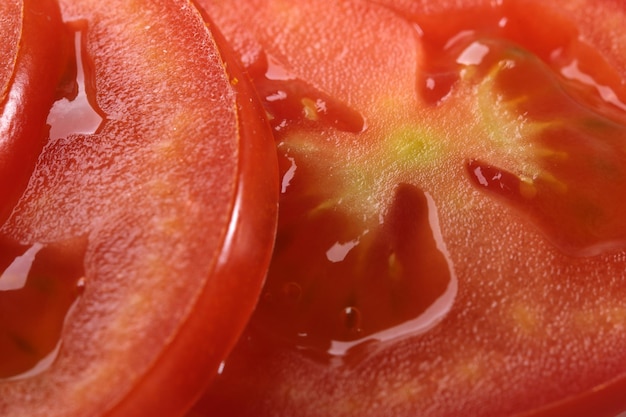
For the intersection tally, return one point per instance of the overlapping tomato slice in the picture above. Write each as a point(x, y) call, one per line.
point(32, 56)
point(450, 233)
point(136, 252)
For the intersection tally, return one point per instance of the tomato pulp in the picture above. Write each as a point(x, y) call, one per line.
point(450, 233)
point(136, 252)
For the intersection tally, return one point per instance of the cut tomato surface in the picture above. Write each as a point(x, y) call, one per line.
point(11, 28)
point(33, 57)
point(451, 239)
point(136, 253)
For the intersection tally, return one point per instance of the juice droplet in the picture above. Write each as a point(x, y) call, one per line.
point(605, 92)
point(452, 41)
point(77, 112)
point(580, 219)
point(38, 286)
point(391, 280)
point(351, 319)
point(290, 101)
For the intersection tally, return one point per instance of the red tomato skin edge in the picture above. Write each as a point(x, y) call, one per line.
point(174, 383)
point(40, 62)
point(606, 400)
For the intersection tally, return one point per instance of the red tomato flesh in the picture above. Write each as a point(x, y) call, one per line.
point(33, 58)
point(450, 233)
point(136, 253)
point(11, 28)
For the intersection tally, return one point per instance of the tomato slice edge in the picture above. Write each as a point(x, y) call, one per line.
point(247, 232)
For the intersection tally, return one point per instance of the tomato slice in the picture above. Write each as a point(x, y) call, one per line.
point(33, 58)
point(11, 27)
point(450, 239)
point(154, 229)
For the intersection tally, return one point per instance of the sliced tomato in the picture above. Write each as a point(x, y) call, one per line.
point(33, 56)
point(143, 243)
point(11, 27)
point(450, 232)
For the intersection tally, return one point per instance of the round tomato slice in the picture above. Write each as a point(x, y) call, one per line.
point(451, 239)
point(145, 241)
point(32, 56)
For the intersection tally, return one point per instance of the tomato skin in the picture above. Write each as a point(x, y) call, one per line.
point(605, 400)
point(509, 274)
point(39, 62)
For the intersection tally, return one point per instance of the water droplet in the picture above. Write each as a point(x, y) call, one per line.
point(339, 251)
point(276, 96)
point(573, 72)
point(473, 54)
point(15, 275)
point(436, 87)
point(78, 114)
point(291, 172)
point(81, 284)
point(275, 71)
point(351, 319)
point(393, 280)
point(39, 285)
point(290, 100)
